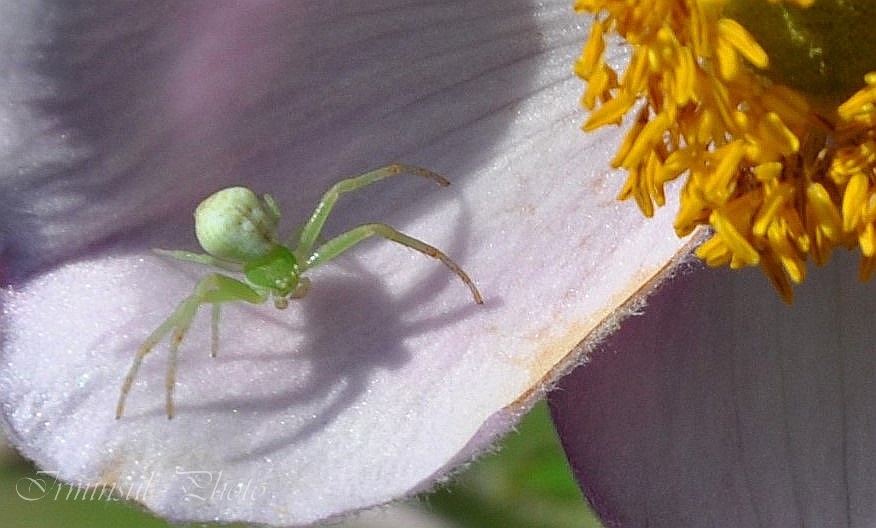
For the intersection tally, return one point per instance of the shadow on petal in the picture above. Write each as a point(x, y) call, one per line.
point(131, 113)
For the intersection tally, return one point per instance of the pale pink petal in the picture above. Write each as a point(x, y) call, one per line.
point(387, 375)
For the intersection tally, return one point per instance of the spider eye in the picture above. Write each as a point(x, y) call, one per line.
point(277, 271)
point(234, 224)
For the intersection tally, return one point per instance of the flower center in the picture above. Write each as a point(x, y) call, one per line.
point(817, 49)
point(778, 176)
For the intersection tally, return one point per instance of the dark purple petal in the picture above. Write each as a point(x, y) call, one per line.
point(721, 406)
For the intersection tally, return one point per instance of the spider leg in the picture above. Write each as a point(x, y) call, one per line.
point(214, 289)
point(313, 227)
point(199, 258)
point(347, 240)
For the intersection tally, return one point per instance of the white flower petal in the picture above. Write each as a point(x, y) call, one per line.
point(387, 375)
point(722, 406)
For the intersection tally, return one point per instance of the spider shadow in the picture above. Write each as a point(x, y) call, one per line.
point(354, 329)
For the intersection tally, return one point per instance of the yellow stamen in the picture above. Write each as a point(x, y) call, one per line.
point(854, 200)
point(732, 33)
point(778, 181)
point(742, 251)
point(771, 208)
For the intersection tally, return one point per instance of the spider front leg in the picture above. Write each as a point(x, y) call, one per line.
point(310, 231)
point(214, 289)
point(347, 240)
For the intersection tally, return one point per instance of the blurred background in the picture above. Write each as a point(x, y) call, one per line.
point(526, 483)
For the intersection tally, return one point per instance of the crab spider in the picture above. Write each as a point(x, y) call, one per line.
point(238, 231)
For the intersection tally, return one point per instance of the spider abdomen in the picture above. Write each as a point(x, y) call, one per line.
point(234, 224)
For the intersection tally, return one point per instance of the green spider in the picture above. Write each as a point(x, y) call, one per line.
point(239, 233)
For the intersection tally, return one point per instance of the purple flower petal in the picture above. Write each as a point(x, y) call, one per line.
point(721, 406)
